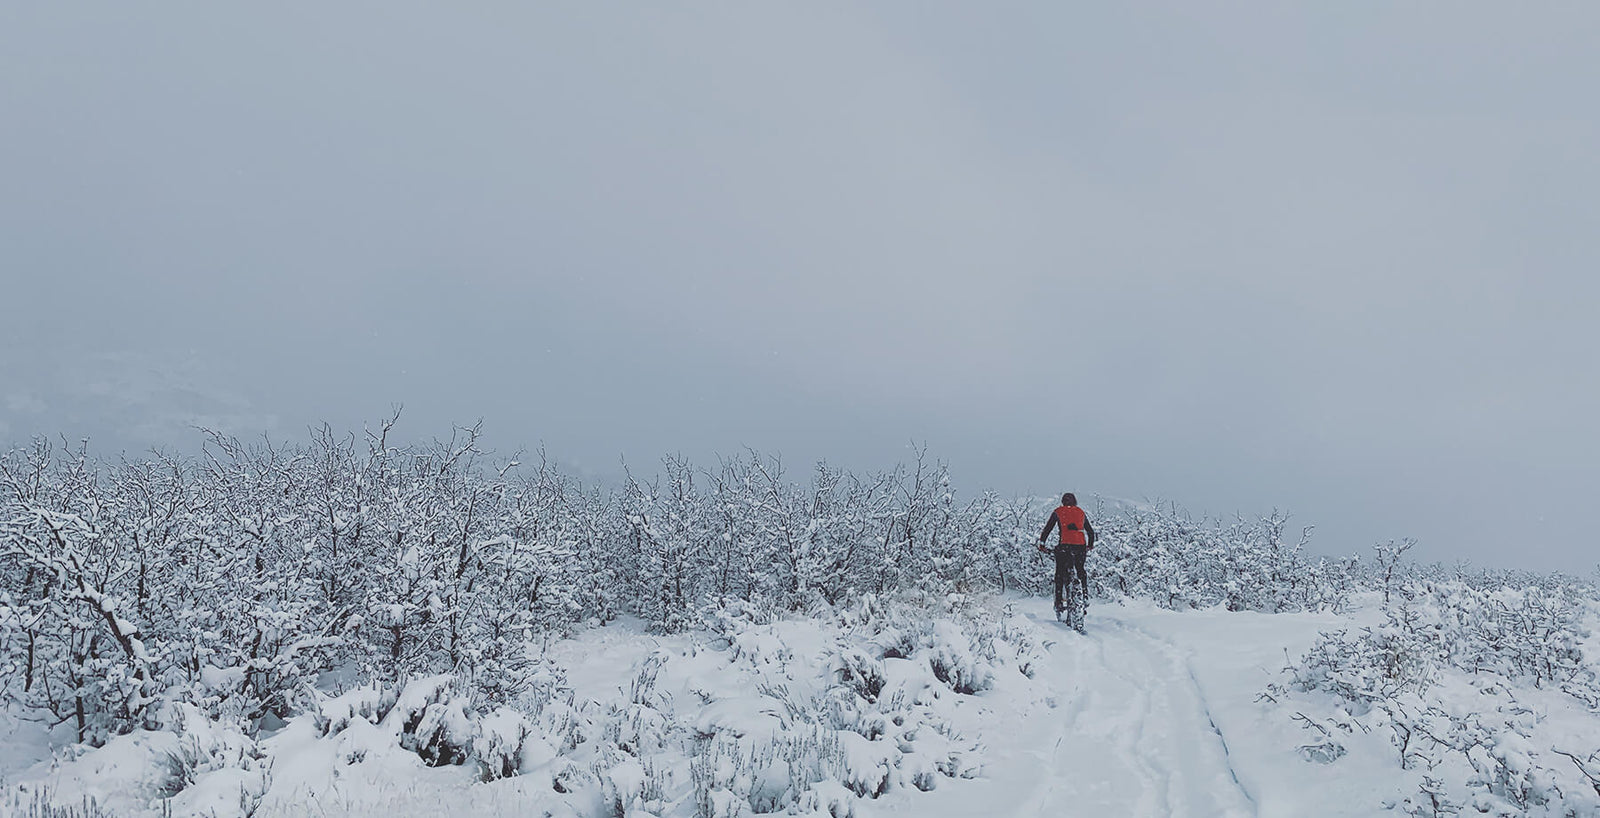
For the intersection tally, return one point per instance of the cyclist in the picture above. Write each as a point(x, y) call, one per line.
point(1077, 539)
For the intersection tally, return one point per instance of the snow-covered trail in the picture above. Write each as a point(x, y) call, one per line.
point(1135, 737)
point(1126, 727)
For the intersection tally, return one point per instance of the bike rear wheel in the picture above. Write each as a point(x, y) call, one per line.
point(1076, 607)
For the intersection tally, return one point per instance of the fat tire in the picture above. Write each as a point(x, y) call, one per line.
point(1076, 604)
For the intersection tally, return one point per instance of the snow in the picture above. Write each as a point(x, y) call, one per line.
point(1152, 712)
point(843, 647)
point(1130, 718)
point(120, 776)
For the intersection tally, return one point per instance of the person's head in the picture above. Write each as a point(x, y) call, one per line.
point(1069, 499)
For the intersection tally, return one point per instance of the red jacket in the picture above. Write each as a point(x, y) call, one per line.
point(1074, 524)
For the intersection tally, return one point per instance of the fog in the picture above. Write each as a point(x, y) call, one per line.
point(1337, 261)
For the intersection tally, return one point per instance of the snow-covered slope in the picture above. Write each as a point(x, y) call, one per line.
point(1152, 713)
point(957, 707)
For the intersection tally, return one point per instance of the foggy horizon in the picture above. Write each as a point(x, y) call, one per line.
point(1337, 262)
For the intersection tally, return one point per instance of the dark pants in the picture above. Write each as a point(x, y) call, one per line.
point(1069, 558)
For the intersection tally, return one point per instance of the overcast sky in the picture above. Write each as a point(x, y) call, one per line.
point(1339, 259)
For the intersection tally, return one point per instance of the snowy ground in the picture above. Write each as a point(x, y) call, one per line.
point(1151, 713)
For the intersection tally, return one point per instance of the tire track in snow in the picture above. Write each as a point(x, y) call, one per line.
point(1227, 756)
point(1180, 660)
point(1204, 754)
point(1062, 665)
point(1155, 776)
point(1137, 738)
point(1097, 764)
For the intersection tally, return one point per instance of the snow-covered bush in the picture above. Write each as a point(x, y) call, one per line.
point(1157, 552)
point(860, 672)
point(738, 776)
point(1523, 635)
point(256, 583)
point(1372, 664)
point(213, 763)
point(835, 719)
point(234, 579)
point(435, 718)
point(953, 661)
point(41, 804)
point(1439, 678)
